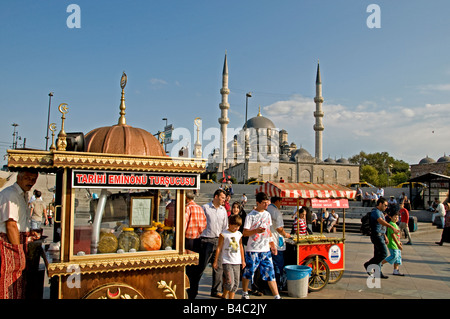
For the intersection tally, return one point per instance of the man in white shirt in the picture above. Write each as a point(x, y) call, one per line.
point(259, 246)
point(278, 235)
point(14, 212)
point(440, 212)
point(392, 204)
point(243, 200)
point(380, 192)
point(216, 223)
point(14, 226)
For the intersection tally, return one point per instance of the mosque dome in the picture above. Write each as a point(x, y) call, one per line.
point(444, 159)
point(427, 160)
point(330, 160)
point(301, 154)
point(122, 138)
point(343, 161)
point(260, 121)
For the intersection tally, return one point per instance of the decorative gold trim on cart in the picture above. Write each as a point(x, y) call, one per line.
point(169, 290)
point(114, 291)
point(83, 160)
point(121, 264)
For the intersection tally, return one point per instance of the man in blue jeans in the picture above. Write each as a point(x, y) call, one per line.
point(216, 223)
point(278, 235)
point(378, 237)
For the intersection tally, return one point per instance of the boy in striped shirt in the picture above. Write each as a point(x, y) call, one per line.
point(301, 217)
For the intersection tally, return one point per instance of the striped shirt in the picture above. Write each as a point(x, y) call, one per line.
point(195, 220)
point(302, 227)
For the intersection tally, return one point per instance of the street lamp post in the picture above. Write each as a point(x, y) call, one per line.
point(48, 119)
point(15, 135)
point(249, 94)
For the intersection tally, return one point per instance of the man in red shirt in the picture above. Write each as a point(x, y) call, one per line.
point(404, 220)
point(195, 223)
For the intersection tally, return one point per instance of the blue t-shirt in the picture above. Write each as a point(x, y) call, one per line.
point(375, 226)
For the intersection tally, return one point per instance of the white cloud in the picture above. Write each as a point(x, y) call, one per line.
point(407, 112)
point(298, 108)
point(407, 133)
point(429, 88)
point(157, 83)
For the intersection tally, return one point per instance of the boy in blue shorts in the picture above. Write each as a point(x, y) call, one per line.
point(260, 246)
point(395, 246)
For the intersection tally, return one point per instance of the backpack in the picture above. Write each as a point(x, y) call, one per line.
point(365, 224)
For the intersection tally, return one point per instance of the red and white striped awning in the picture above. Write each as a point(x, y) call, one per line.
point(304, 190)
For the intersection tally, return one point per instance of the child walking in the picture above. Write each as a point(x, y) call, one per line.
point(231, 252)
point(394, 245)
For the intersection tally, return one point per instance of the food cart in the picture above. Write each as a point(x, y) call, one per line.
point(119, 220)
point(324, 254)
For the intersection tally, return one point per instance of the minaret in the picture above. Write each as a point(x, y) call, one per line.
point(224, 120)
point(198, 146)
point(318, 114)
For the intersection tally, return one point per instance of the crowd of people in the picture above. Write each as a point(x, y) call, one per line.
point(241, 246)
point(388, 219)
point(222, 236)
point(310, 221)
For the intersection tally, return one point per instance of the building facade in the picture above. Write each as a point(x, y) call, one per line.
point(430, 165)
point(261, 151)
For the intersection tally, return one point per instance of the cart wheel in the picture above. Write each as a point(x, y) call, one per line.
point(320, 273)
point(335, 276)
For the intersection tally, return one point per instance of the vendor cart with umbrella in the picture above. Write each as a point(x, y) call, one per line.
point(324, 254)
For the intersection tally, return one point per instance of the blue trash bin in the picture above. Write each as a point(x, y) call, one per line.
point(298, 280)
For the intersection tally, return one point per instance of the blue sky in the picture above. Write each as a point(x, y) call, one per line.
point(385, 89)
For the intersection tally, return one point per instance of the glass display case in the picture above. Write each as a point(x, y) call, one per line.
point(114, 221)
point(119, 212)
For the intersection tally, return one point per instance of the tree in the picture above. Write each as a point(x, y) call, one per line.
point(389, 170)
point(368, 174)
point(399, 178)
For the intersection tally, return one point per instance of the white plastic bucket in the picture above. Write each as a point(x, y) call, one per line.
point(297, 280)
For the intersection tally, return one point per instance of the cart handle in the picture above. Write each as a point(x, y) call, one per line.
point(56, 207)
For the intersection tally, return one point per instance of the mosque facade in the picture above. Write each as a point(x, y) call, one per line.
point(261, 151)
point(430, 165)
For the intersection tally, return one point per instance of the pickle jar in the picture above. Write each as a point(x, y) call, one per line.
point(168, 238)
point(150, 239)
point(128, 239)
point(108, 243)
